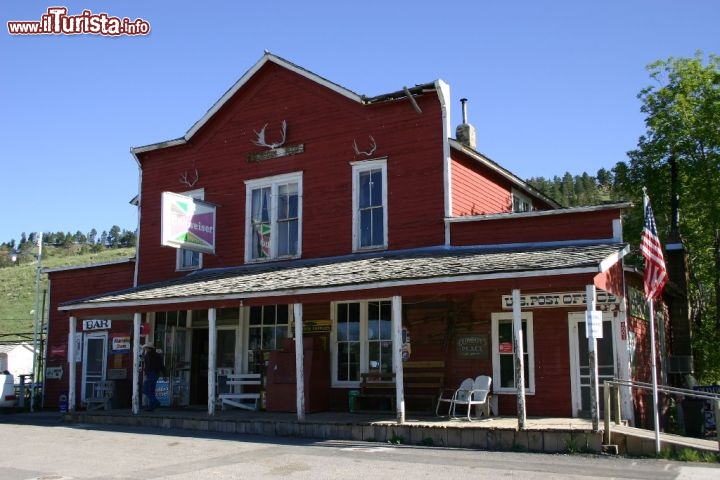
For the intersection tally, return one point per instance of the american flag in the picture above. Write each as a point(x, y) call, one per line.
point(655, 273)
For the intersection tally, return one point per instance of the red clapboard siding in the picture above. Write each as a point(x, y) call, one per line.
point(73, 284)
point(327, 124)
point(477, 192)
point(588, 225)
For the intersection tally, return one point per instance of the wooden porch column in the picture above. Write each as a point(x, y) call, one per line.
point(299, 361)
point(397, 357)
point(592, 359)
point(137, 318)
point(519, 359)
point(212, 355)
point(71, 363)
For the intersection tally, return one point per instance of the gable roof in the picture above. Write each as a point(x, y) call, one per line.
point(270, 58)
point(367, 272)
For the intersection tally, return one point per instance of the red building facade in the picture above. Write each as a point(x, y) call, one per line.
point(361, 223)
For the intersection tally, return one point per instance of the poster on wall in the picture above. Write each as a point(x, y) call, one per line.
point(120, 344)
point(78, 346)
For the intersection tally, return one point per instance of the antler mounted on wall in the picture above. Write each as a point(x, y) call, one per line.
point(373, 147)
point(261, 142)
point(189, 182)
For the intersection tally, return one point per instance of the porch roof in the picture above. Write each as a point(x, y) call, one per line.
point(368, 271)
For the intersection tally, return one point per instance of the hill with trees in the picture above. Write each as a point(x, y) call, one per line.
point(19, 263)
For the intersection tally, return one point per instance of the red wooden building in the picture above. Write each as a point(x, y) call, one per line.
point(359, 227)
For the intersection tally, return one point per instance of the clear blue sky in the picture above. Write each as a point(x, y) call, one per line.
point(552, 85)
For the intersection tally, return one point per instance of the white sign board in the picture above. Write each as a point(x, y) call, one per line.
point(559, 299)
point(97, 325)
point(54, 373)
point(594, 324)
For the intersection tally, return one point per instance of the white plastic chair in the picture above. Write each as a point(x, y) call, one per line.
point(478, 394)
point(448, 395)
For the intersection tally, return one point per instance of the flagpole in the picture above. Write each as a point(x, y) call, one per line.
point(651, 313)
point(656, 417)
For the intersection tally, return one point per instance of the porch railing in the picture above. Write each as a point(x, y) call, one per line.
point(612, 402)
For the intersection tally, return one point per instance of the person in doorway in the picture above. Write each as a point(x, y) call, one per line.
point(153, 367)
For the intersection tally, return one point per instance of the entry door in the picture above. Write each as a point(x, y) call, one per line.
point(580, 362)
point(178, 366)
point(94, 362)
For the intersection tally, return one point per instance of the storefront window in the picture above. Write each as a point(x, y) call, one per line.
point(362, 339)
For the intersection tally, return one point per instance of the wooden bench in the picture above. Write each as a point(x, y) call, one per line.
point(102, 395)
point(238, 397)
point(423, 381)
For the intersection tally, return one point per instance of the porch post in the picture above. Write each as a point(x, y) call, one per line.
point(519, 359)
point(212, 354)
point(592, 360)
point(397, 357)
point(72, 367)
point(137, 318)
point(299, 361)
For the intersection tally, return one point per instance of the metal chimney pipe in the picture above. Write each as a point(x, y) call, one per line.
point(463, 101)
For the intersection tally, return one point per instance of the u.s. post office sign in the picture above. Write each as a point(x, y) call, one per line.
point(561, 299)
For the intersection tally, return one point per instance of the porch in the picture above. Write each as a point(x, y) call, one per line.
point(546, 435)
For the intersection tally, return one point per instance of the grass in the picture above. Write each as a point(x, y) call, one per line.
point(17, 284)
point(689, 455)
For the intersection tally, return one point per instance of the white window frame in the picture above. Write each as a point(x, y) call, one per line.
point(363, 340)
point(521, 198)
point(180, 265)
point(526, 317)
point(357, 169)
point(272, 182)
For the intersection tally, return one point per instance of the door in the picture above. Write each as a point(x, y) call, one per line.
point(94, 362)
point(177, 363)
point(580, 362)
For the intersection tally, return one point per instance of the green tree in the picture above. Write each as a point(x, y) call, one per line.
point(682, 118)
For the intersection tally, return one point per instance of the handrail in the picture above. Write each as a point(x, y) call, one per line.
point(715, 397)
point(667, 389)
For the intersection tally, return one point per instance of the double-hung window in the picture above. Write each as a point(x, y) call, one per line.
point(189, 259)
point(273, 217)
point(362, 340)
point(370, 204)
point(504, 352)
point(520, 202)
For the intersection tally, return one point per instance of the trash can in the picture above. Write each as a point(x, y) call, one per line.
point(63, 403)
point(352, 398)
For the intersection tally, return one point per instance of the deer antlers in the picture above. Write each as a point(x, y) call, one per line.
point(190, 183)
point(260, 141)
point(369, 152)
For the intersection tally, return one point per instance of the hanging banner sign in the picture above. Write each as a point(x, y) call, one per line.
point(187, 223)
point(561, 299)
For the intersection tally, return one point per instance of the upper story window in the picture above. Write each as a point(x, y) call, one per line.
point(189, 259)
point(369, 204)
point(520, 203)
point(273, 217)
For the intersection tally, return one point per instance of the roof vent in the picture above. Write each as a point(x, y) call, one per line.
point(465, 133)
